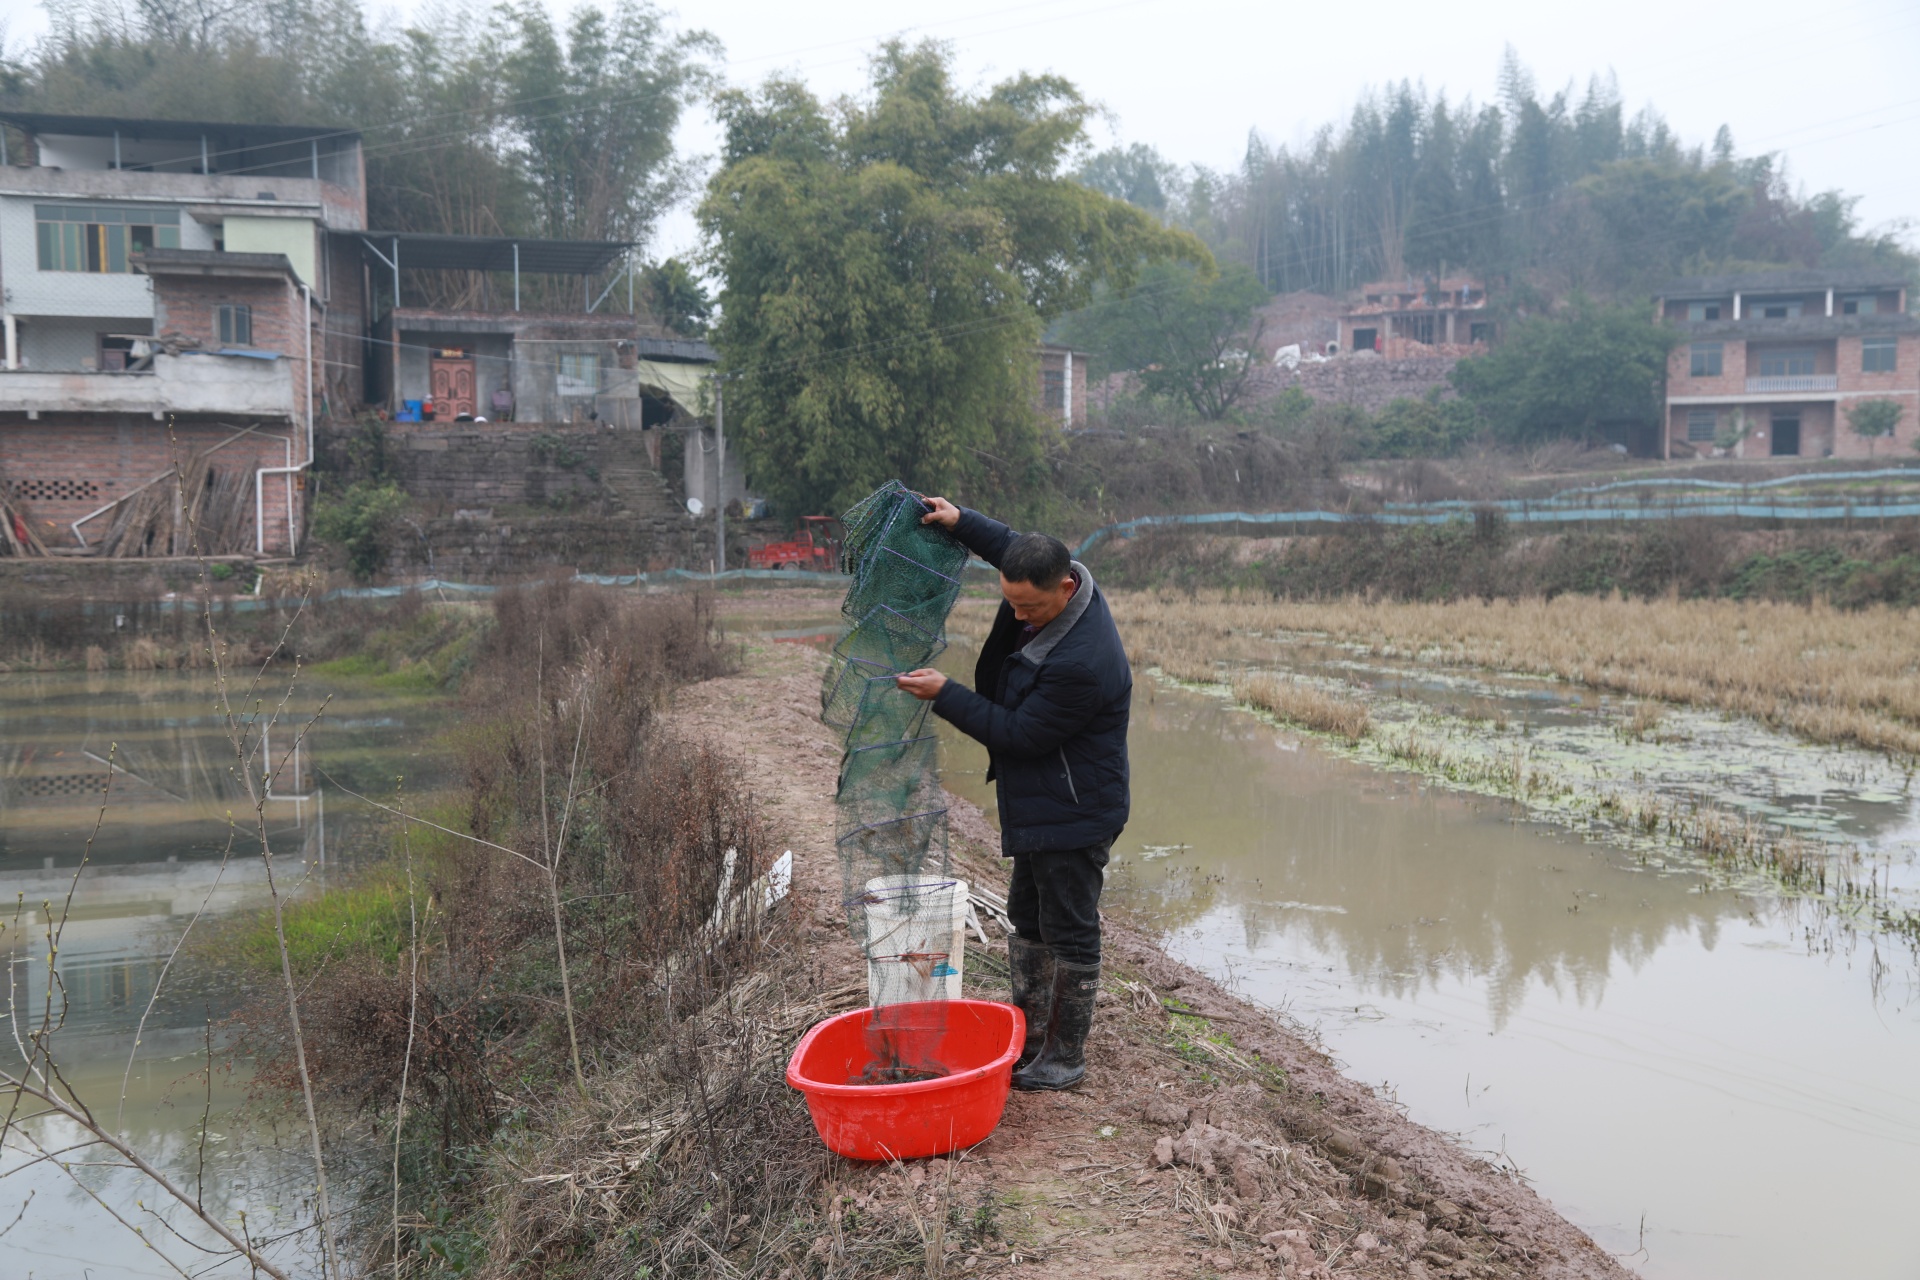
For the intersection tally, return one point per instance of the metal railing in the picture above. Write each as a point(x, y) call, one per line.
point(1795, 382)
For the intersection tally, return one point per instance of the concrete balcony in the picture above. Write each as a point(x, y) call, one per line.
point(1798, 382)
point(237, 386)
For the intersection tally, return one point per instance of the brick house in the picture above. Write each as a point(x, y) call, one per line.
point(168, 291)
point(178, 290)
point(1769, 364)
point(1402, 318)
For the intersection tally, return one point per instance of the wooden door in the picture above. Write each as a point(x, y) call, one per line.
point(453, 387)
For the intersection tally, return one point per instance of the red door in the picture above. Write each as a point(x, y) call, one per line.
point(453, 387)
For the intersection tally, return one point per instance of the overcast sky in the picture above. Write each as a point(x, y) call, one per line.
point(1832, 86)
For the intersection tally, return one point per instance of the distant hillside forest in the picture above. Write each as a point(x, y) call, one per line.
point(1546, 196)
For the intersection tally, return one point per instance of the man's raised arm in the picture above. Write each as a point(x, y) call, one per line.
point(982, 535)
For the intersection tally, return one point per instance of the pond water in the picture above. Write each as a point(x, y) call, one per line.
point(1711, 1084)
point(154, 862)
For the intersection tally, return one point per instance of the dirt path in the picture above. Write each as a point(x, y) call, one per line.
point(1210, 1139)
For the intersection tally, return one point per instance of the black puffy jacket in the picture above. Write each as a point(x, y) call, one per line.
point(1052, 715)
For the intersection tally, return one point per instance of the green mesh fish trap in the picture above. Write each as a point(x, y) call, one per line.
point(892, 830)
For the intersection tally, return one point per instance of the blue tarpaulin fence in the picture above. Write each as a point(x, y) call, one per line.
point(1659, 499)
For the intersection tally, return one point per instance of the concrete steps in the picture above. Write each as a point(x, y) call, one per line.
point(629, 477)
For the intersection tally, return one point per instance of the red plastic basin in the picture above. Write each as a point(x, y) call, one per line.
point(974, 1042)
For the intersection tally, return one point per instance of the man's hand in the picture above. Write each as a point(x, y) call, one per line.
point(926, 683)
point(944, 514)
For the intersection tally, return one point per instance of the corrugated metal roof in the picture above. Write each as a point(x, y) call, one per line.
point(210, 262)
point(427, 251)
point(678, 350)
point(135, 127)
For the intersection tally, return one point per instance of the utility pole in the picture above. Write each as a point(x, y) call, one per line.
point(719, 475)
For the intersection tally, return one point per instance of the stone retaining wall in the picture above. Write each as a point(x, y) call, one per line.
point(499, 549)
point(512, 464)
point(1369, 382)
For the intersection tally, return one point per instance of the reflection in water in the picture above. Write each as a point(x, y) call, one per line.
point(176, 840)
point(1638, 1043)
point(1406, 896)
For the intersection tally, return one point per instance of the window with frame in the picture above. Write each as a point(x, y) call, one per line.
point(1053, 390)
point(1699, 311)
point(579, 373)
point(1860, 304)
point(1702, 426)
point(233, 324)
point(101, 238)
point(1786, 364)
point(1778, 308)
point(1704, 360)
point(1879, 355)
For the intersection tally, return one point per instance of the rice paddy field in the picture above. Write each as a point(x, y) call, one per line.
point(1774, 744)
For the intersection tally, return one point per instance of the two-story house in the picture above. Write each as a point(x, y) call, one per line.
point(170, 292)
point(1771, 364)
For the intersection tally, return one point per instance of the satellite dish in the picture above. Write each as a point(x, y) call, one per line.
point(695, 506)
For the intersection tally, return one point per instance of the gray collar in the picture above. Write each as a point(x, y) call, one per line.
point(1054, 632)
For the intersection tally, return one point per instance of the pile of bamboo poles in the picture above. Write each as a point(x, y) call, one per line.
point(16, 530)
point(195, 509)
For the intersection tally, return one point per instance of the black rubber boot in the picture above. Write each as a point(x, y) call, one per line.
point(1064, 1060)
point(1031, 964)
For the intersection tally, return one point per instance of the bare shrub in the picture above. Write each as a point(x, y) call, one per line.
point(145, 655)
point(573, 894)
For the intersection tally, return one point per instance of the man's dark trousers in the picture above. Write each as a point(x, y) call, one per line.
point(1054, 897)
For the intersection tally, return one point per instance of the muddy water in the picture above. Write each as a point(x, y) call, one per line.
point(1675, 1066)
point(156, 859)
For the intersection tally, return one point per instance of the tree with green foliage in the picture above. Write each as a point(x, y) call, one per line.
point(676, 298)
point(360, 522)
point(1137, 174)
point(1184, 331)
point(1429, 427)
point(1873, 419)
point(889, 265)
point(1569, 374)
point(1561, 190)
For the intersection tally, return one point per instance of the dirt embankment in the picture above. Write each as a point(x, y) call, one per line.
point(1210, 1137)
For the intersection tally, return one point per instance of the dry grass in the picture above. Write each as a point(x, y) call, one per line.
point(1646, 717)
point(1184, 666)
point(1828, 675)
point(1304, 705)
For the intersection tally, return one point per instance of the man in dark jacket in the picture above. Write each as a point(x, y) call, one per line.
point(1052, 692)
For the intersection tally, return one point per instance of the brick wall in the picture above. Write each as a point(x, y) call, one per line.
point(185, 304)
point(1824, 429)
point(64, 469)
